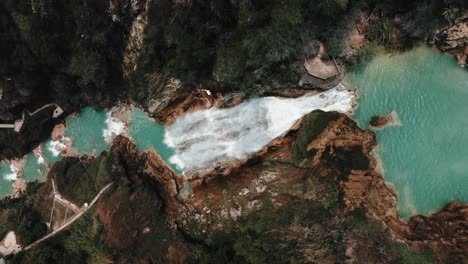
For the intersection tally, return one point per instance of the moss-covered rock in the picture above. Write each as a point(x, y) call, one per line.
point(312, 125)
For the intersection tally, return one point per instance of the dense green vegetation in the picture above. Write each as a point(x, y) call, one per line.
point(314, 231)
point(66, 52)
point(21, 216)
point(257, 45)
point(33, 132)
point(71, 52)
point(80, 180)
point(133, 205)
point(78, 244)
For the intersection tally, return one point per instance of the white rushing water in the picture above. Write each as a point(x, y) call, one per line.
point(114, 127)
point(56, 146)
point(13, 175)
point(40, 159)
point(204, 138)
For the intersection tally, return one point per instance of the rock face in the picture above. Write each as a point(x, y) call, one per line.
point(170, 98)
point(134, 15)
point(343, 142)
point(151, 166)
point(137, 214)
point(310, 198)
point(197, 99)
point(342, 153)
point(454, 39)
point(445, 232)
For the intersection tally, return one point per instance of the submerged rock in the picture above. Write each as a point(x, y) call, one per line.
point(380, 122)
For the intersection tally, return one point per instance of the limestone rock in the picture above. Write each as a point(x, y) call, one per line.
point(454, 39)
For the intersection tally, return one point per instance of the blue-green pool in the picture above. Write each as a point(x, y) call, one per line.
point(86, 132)
point(149, 134)
point(426, 159)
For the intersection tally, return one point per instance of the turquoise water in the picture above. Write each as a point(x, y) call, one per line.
point(86, 133)
point(5, 184)
point(149, 134)
point(30, 170)
point(426, 159)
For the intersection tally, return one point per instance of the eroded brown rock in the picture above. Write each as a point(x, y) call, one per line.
point(454, 39)
point(380, 122)
point(197, 99)
point(342, 153)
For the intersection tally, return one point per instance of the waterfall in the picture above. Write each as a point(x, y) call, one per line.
point(205, 138)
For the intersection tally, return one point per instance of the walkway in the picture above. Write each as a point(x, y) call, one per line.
point(320, 69)
point(19, 123)
point(57, 112)
point(69, 222)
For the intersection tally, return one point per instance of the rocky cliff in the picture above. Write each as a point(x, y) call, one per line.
point(454, 39)
point(323, 190)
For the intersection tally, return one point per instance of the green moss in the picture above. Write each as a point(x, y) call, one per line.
point(409, 257)
point(312, 125)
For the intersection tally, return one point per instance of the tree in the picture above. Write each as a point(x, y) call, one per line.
point(450, 14)
point(331, 8)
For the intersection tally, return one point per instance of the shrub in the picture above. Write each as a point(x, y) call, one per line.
point(229, 66)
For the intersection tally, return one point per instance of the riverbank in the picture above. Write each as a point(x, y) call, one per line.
point(422, 158)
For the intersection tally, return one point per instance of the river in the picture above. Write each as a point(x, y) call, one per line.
point(425, 159)
point(196, 140)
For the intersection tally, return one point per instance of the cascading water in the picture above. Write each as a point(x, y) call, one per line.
point(199, 140)
point(206, 138)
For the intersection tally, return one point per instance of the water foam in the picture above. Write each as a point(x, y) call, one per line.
point(114, 127)
point(57, 146)
point(40, 159)
point(13, 175)
point(205, 138)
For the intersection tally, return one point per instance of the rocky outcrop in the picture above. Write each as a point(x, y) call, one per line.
point(444, 232)
point(165, 109)
point(454, 39)
point(150, 166)
point(133, 14)
point(343, 153)
point(138, 211)
point(380, 122)
point(168, 183)
point(340, 175)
